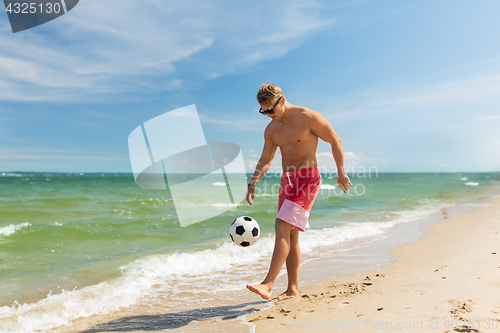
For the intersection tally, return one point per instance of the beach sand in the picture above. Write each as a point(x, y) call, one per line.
point(448, 281)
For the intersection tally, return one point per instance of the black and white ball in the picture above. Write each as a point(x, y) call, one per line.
point(244, 231)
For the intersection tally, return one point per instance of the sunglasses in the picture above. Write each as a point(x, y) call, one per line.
point(271, 110)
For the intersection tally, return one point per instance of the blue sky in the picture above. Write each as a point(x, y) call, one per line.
point(409, 86)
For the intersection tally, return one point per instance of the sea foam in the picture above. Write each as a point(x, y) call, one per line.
point(172, 273)
point(10, 229)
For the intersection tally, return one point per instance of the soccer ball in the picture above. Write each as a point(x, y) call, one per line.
point(244, 231)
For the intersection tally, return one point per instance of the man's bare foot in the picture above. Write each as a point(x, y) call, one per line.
point(286, 295)
point(260, 289)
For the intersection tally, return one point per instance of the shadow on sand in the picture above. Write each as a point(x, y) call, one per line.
point(172, 320)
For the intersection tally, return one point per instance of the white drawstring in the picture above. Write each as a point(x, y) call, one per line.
point(289, 181)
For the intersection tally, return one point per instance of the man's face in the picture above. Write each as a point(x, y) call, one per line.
point(275, 106)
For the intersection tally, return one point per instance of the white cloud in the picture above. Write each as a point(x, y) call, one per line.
point(251, 163)
point(489, 117)
point(56, 154)
point(237, 124)
point(266, 30)
point(389, 100)
point(123, 46)
point(351, 159)
point(465, 89)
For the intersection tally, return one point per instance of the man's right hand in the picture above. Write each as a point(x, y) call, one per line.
point(250, 194)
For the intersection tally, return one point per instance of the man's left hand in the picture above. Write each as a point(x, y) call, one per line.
point(344, 182)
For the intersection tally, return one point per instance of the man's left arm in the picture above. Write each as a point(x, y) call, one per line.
point(322, 128)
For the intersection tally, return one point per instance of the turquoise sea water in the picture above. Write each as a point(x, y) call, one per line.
point(74, 245)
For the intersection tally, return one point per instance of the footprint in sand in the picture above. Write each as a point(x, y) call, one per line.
point(460, 307)
point(463, 329)
point(440, 268)
point(372, 277)
point(496, 311)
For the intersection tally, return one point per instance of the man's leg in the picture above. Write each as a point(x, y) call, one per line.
point(280, 254)
point(292, 268)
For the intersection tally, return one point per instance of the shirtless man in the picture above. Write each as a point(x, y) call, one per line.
point(295, 130)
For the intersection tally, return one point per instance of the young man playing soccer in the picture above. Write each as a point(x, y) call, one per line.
point(295, 130)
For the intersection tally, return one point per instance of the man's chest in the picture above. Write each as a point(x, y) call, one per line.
point(291, 134)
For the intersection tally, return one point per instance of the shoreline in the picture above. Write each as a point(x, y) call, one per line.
point(436, 287)
point(444, 282)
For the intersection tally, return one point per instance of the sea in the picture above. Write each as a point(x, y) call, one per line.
point(93, 252)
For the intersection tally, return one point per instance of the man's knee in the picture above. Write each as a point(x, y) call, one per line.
point(294, 236)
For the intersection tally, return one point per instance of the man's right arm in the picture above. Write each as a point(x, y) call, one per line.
point(263, 164)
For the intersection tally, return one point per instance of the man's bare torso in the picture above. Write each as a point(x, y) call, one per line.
point(297, 143)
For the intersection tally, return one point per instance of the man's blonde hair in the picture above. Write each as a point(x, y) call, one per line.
point(268, 92)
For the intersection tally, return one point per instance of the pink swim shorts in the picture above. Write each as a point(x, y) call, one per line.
point(298, 190)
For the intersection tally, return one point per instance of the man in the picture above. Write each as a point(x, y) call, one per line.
point(295, 130)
